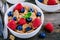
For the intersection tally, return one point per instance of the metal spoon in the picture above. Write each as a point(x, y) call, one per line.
point(1, 27)
point(5, 31)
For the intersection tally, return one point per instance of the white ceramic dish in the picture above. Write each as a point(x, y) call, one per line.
point(48, 8)
point(25, 35)
point(14, 1)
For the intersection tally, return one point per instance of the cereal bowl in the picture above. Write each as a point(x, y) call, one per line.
point(48, 8)
point(24, 35)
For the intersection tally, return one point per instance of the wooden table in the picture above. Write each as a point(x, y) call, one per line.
point(48, 17)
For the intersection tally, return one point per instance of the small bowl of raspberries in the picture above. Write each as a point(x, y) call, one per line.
point(24, 20)
point(48, 5)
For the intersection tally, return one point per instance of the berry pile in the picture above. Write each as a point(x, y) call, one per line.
point(24, 19)
point(49, 2)
point(48, 27)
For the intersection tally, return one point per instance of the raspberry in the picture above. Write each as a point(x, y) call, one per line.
point(12, 24)
point(18, 7)
point(22, 21)
point(49, 27)
point(36, 23)
point(51, 2)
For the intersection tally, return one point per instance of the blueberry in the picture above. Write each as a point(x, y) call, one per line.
point(22, 10)
point(14, 18)
point(28, 29)
point(10, 13)
point(38, 14)
point(31, 10)
point(40, 0)
point(19, 27)
point(42, 35)
point(29, 19)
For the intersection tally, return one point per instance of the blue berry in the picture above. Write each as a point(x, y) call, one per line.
point(14, 18)
point(22, 10)
point(40, 0)
point(42, 35)
point(19, 27)
point(31, 10)
point(29, 19)
point(38, 14)
point(28, 29)
point(10, 13)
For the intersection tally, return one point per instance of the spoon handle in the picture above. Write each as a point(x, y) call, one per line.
point(4, 9)
point(1, 27)
point(5, 31)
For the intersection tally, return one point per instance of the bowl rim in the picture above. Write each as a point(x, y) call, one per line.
point(29, 4)
point(47, 5)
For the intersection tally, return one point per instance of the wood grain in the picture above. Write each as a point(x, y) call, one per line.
point(48, 17)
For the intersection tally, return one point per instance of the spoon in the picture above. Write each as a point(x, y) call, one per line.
point(1, 27)
point(5, 31)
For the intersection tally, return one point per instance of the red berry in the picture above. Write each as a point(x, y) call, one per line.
point(51, 2)
point(49, 27)
point(12, 24)
point(18, 7)
point(36, 23)
point(22, 21)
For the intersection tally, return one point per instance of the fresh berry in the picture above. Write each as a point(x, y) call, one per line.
point(19, 27)
point(14, 18)
point(10, 13)
point(38, 14)
point(22, 21)
point(51, 2)
point(12, 24)
point(36, 23)
point(29, 19)
point(28, 29)
point(31, 10)
point(22, 10)
point(49, 27)
point(18, 7)
point(42, 35)
point(40, 0)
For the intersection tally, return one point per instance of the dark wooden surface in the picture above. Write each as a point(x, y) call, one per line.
point(55, 35)
point(48, 17)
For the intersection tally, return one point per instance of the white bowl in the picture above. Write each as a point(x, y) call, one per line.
point(25, 35)
point(48, 8)
point(14, 1)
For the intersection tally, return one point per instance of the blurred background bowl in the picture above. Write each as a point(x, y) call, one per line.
point(14, 1)
point(47, 8)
